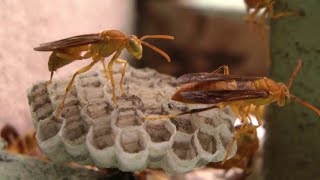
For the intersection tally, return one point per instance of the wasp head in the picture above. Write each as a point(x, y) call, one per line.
point(284, 93)
point(134, 47)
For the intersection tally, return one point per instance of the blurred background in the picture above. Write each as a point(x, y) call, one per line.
point(208, 34)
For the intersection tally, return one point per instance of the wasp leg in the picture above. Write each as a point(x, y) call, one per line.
point(50, 81)
point(157, 117)
point(244, 114)
point(124, 62)
point(259, 115)
point(82, 70)
point(106, 72)
point(224, 68)
point(263, 35)
point(235, 110)
point(110, 64)
point(281, 14)
point(251, 18)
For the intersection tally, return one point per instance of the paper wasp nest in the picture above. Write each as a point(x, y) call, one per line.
point(93, 131)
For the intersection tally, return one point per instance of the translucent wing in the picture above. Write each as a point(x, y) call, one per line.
point(213, 97)
point(70, 42)
point(205, 77)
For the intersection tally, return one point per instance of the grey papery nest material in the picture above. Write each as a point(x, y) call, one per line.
point(93, 131)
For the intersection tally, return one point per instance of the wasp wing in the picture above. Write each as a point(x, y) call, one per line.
point(213, 97)
point(205, 77)
point(70, 42)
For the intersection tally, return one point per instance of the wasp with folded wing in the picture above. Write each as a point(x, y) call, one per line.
point(96, 46)
point(241, 93)
point(238, 92)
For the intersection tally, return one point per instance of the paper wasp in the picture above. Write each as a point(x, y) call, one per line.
point(97, 46)
point(267, 7)
point(238, 92)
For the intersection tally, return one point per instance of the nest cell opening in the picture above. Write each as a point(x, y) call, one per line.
point(69, 111)
point(49, 129)
point(90, 82)
point(132, 141)
point(185, 150)
point(74, 130)
point(102, 137)
point(39, 101)
point(129, 101)
point(128, 117)
point(143, 74)
point(183, 124)
point(158, 132)
point(99, 109)
point(38, 90)
point(44, 112)
point(207, 142)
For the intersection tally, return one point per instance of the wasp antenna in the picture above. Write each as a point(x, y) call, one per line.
point(294, 74)
point(306, 104)
point(156, 37)
point(165, 55)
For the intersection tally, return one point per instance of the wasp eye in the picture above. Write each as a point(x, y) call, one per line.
point(133, 45)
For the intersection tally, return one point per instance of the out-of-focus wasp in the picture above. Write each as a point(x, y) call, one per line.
point(266, 7)
point(97, 46)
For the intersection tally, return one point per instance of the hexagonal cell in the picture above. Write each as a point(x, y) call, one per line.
point(143, 74)
point(207, 142)
point(48, 129)
point(90, 81)
point(38, 90)
point(129, 117)
point(73, 130)
point(185, 150)
point(159, 131)
point(98, 109)
point(132, 141)
point(69, 111)
point(128, 101)
point(88, 75)
point(183, 124)
point(38, 101)
point(154, 109)
point(44, 112)
point(103, 136)
point(90, 93)
point(175, 106)
point(166, 79)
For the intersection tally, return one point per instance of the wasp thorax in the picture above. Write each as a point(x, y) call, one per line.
point(134, 47)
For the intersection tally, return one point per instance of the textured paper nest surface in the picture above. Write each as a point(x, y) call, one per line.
point(93, 131)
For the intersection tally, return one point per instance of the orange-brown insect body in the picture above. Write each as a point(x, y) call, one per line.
point(238, 92)
point(97, 46)
point(276, 91)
